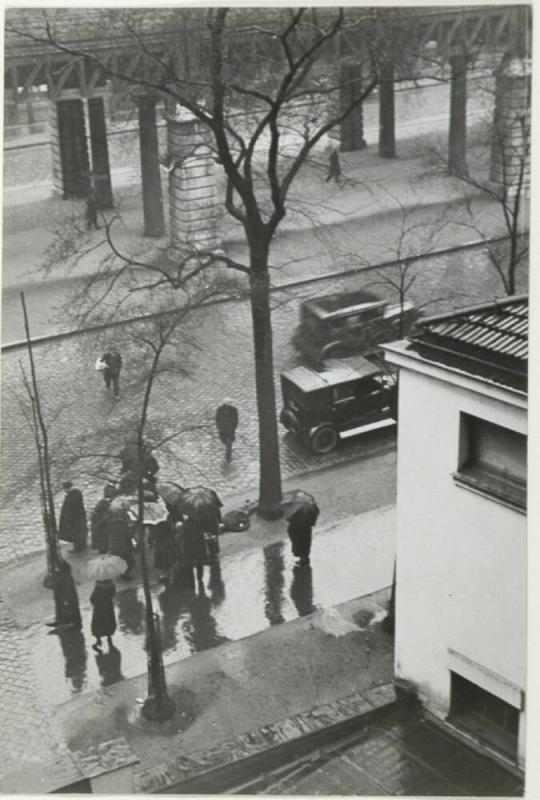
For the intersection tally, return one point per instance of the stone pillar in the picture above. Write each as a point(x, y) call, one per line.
point(154, 223)
point(100, 153)
point(457, 133)
point(71, 167)
point(352, 127)
point(510, 144)
point(387, 125)
point(193, 202)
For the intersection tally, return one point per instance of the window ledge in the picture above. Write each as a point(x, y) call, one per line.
point(509, 497)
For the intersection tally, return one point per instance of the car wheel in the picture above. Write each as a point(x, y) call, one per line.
point(324, 440)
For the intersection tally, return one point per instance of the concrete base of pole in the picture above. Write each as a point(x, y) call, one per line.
point(158, 709)
point(269, 512)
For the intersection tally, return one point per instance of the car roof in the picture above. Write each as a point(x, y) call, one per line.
point(335, 371)
point(343, 303)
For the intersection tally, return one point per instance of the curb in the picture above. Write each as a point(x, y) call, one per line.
point(242, 759)
point(52, 337)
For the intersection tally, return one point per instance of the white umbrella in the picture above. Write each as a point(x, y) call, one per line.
point(106, 567)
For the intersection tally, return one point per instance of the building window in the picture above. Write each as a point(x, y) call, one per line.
point(493, 460)
point(483, 714)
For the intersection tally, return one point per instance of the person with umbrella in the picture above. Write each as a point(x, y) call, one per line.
point(98, 520)
point(227, 423)
point(301, 512)
point(203, 507)
point(103, 570)
point(103, 616)
point(73, 526)
point(192, 550)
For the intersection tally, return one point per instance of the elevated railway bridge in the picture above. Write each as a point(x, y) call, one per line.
point(93, 47)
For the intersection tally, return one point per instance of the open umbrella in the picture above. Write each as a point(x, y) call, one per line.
point(106, 567)
point(203, 506)
point(298, 501)
point(172, 494)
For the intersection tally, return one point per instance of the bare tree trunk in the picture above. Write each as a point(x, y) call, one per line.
point(270, 470)
point(387, 134)
point(457, 135)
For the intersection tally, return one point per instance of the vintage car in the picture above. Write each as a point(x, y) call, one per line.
point(347, 396)
point(340, 325)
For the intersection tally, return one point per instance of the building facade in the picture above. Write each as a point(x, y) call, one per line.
point(461, 533)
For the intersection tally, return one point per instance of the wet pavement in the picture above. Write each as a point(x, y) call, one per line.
point(404, 754)
point(243, 594)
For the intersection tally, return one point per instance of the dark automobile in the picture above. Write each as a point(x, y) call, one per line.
point(347, 396)
point(340, 325)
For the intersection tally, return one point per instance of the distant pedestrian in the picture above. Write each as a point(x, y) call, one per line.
point(98, 520)
point(91, 210)
point(73, 526)
point(192, 550)
point(334, 167)
point(227, 423)
point(300, 531)
point(66, 600)
point(103, 616)
point(111, 374)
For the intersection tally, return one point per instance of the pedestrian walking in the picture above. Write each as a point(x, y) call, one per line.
point(300, 529)
point(192, 550)
point(99, 536)
point(91, 210)
point(227, 423)
point(118, 527)
point(73, 526)
point(66, 600)
point(334, 167)
point(103, 616)
point(111, 373)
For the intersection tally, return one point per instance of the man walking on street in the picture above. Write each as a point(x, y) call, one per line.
point(111, 373)
point(334, 167)
point(91, 210)
point(227, 423)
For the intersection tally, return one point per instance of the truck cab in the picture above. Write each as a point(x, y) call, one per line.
point(346, 396)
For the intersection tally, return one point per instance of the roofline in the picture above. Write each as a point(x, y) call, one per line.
point(505, 301)
point(399, 353)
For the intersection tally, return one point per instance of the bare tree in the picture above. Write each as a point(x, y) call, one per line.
point(245, 78)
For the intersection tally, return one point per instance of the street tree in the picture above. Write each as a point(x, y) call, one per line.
point(266, 86)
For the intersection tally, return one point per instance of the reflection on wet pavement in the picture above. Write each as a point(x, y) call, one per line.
point(242, 595)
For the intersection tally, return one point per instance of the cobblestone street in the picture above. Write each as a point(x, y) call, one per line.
point(84, 420)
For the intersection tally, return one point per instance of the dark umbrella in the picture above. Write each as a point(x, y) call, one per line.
point(299, 502)
point(203, 506)
point(172, 494)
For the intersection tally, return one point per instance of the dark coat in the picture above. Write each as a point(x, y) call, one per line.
point(66, 600)
point(191, 545)
point(299, 531)
point(119, 534)
point(113, 359)
point(227, 422)
point(164, 545)
point(103, 617)
point(73, 526)
point(98, 526)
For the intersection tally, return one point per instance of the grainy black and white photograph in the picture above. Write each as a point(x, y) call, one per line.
point(265, 311)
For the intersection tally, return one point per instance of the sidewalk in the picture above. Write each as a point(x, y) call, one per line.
point(234, 700)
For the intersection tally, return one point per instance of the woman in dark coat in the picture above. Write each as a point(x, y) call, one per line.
point(73, 527)
point(98, 520)
point(192, 549)
point(103, 617)
point(66, 600)
point(300, 529)
point(118, 528)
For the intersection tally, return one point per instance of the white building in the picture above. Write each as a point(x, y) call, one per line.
point(461, 530)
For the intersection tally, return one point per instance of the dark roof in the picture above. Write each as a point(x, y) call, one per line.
point(336, 371)
point(489, 340)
